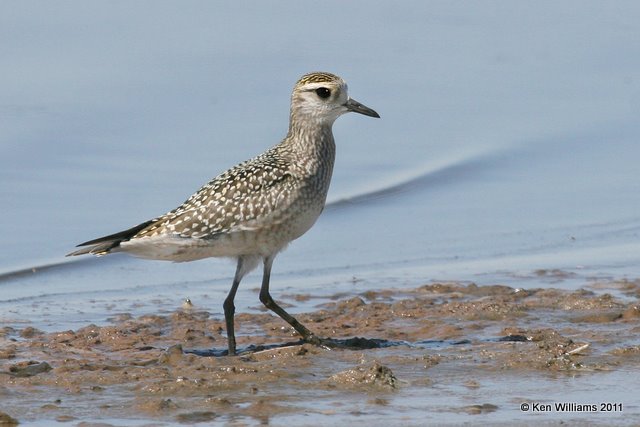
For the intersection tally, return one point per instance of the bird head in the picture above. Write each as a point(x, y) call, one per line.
point(323, 97)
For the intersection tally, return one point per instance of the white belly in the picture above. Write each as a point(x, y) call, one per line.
point(261, 241)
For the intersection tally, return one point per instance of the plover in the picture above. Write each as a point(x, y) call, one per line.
point(252, 211)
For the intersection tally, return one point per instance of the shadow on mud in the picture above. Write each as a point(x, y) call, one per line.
point(355, 343)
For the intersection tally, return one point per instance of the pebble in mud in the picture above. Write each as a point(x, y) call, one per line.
point(196, 417)
point(8, 352)
point(30, 332)
point(472, 384)
point(373, 376)
point(632, 313)
point(172, 356)
point(154, 405)
point(282, 352)
point(627, 351)
point(7, 420)
point(598, 317)
point(480, 409)
point(29, 369)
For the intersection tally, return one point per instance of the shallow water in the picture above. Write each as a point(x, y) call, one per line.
point(507, 149)
point(451, 354)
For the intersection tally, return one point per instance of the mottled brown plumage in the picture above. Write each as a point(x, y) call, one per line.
point(253, 210)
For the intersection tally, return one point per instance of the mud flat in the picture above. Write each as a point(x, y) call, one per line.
point(445, 353)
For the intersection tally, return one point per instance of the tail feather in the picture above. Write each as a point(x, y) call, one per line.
point(104, 245)
point(99, 249)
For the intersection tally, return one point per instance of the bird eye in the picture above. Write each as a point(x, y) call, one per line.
point(323, 92)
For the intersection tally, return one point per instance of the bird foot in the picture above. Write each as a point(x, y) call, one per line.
point(325, 343)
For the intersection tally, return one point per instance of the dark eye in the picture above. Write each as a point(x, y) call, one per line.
point(323, 92)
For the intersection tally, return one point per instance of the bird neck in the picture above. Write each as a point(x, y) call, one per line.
point(310, 137)
point(309, 123)
point(311, 151)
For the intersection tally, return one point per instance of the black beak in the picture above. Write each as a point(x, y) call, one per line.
point(356, 107)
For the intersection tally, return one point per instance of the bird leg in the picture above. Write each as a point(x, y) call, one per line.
point(230, 308)
point(266, 299)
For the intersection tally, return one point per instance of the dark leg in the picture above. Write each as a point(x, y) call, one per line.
point(266, 299)
point(230, 308)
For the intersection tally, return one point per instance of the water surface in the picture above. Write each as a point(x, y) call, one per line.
point(508, 144)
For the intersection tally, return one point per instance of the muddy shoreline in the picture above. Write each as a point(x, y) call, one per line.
point(446, 352)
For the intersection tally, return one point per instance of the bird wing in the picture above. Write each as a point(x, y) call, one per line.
point(255, 192)
point(252, 193)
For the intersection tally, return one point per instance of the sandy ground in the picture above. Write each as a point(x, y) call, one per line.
point(443, 352)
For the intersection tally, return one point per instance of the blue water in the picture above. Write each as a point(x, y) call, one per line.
point(509, 142)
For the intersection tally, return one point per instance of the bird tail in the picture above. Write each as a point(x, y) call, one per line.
point(104, 245)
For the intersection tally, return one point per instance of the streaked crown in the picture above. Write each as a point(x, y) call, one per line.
point(318, 77)
point(319, 97)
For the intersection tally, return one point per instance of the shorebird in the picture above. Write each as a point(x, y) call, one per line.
point(252, 211)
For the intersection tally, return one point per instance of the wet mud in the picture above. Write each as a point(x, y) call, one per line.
point(393, 353)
